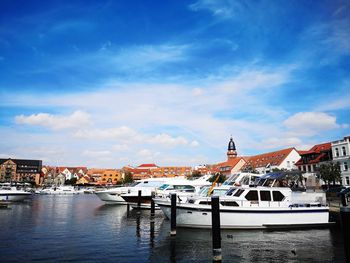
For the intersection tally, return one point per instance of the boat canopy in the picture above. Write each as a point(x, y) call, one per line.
point(280, 175)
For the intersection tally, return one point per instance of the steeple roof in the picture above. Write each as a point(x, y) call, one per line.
point(231, 145)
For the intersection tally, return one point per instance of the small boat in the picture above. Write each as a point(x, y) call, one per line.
point(248, 207)
point(184, 189)
point(114, 195)
point(12, 194)
point(60, 190)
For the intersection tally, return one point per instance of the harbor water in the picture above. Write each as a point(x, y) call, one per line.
point(81, 228)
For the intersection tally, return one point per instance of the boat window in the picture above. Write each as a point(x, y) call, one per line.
point(230, 203)
point(205, 202)
point(230, 192)
point(164, 186)
point(239, 192)
point(265, 196)
point(252, 195)
point(277, 196)
point(219, 192)
point(245, 180)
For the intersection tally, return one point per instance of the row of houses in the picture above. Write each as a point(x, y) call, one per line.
point(308, 162)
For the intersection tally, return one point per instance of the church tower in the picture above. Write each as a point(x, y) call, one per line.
point(231, 150)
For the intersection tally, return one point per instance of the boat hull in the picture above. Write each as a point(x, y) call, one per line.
point(111, 198)
point(18, 197)
point(243, 218)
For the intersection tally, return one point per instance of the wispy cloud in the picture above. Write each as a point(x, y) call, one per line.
point(311, 123)
point(56, 122)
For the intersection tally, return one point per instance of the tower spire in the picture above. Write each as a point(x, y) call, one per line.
point(231, 149)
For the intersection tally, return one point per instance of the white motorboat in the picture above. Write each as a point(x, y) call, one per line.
point(12, 194)
point(114, 195)
point(247, 207)
point(60, 190)
point(183, 187)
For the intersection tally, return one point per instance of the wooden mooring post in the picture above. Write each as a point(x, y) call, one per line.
point(139, 199)
point(173, 215)
point(153, 207)
point(345, 223)
point(216, 230)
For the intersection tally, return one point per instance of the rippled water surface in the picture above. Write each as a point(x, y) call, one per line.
point(82, 229)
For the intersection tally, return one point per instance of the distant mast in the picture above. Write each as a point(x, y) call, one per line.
point(231, 149)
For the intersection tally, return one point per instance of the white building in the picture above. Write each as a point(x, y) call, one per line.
point(264, 163)
point(341, 154)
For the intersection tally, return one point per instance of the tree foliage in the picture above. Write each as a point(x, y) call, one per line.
point(330, 172)
point(249, 169)
point(196, 174)
point(71, 181)
point(221, 179)
point(128, 178)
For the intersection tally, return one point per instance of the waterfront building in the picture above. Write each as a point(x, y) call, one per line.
point(83, 180)
point(151, 170)
point(20, 170)
point(111, 176)
point(341, 154)
point(95, 174)
point(310, 160)
point(284, 159)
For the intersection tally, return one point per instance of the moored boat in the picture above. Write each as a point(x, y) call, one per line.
point(12, 194)
point(247, 207)
point(60, 190)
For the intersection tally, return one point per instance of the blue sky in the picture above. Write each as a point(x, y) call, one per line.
point(111, 83)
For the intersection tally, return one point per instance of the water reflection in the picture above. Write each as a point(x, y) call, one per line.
point(81, 228)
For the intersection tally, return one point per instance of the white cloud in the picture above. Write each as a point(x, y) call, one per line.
point(167, 140)
point(252, 79)
point(77, 119)
point(194, 144)
point(96, 154)
point(283, 142)
point(311, 123)
point(222, 9)
point(120, 133)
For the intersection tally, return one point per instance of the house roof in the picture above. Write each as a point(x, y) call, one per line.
point(147, 165)
point(272, 158)
point(315, 154)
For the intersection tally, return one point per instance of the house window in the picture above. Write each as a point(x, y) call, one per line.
point(336, 152)
point(344, 150)
point(345, 166)
point(309, 168)
point(288, 164)
point(347, 180)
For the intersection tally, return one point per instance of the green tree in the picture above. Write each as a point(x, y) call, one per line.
point(221, 179)
point(127, 178)
point(330, 172)
point(196, 174)
point(71, 181)
point(249, 169)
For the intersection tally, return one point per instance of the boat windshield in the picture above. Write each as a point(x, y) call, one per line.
point(231, 180)
point(163, 187)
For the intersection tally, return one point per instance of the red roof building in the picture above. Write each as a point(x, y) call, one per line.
point(311, 159)
point(282, 159)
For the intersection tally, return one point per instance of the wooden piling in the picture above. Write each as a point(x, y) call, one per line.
point(345, 223)
point(139, 199)
point(152, 205)
point(215, 227)
point(173, 215)
point(344, 200)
